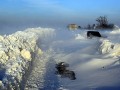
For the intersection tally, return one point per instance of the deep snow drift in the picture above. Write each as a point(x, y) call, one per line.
point(18, 52)
point(96, 62)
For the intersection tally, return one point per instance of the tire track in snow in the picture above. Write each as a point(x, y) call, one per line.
point(43, 76)
point(35, 79)
point(51, 79)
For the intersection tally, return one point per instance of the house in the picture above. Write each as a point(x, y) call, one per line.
point(73, 26)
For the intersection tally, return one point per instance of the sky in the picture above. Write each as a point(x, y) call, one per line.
point(57, 12)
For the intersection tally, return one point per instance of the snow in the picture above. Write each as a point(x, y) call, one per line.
point(26, 54)
point(106, 46)
point(28, 58)
point(16, 55)
point(111, 45)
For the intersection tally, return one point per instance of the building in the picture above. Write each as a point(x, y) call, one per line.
point(72, 26)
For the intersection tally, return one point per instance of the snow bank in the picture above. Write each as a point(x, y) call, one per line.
point(17, 52)
point(106, 46)
point(79, 36)
point(111, 45)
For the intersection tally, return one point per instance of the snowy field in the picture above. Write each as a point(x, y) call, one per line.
point(28, 58)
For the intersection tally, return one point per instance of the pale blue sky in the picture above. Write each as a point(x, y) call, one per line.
point(52, 12)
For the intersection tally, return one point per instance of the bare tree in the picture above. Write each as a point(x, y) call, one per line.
point(102, 22)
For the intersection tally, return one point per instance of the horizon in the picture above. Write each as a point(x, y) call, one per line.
point(18, 13)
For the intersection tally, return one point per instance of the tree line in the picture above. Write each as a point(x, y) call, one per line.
point(102, 23)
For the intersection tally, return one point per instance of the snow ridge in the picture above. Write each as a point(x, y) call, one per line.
point(17, 53)
point(111, 45)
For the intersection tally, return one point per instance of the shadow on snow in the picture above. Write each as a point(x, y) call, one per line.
point(51, 79)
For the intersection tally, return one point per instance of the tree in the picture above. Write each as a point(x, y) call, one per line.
point(102, 22)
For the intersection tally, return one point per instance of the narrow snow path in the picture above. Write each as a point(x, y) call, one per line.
point(36, 79)
point(43, 75)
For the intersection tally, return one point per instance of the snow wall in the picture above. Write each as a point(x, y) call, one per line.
point(111, 44)
point(17, 54)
